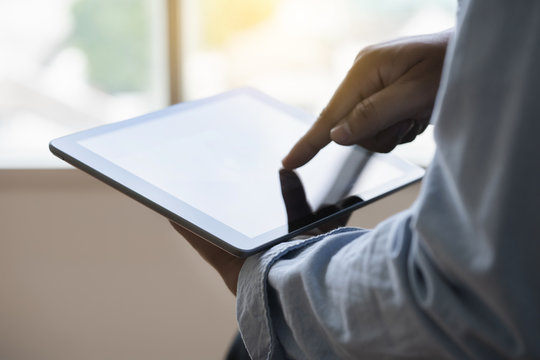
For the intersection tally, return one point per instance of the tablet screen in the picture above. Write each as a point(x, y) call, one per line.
point(224, 159)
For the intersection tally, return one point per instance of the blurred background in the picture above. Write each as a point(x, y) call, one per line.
point(68, 65)
point(87, 273)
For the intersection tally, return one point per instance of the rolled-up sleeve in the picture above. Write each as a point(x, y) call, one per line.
point(456, 275)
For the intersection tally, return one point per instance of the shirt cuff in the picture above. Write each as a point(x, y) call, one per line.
point(252, 308)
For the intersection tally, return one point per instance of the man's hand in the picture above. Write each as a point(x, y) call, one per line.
point(227, 265)
point(386, 98)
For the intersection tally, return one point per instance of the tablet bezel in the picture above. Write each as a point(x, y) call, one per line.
point(70, 150)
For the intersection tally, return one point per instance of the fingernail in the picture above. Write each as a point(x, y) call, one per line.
point(341, 133)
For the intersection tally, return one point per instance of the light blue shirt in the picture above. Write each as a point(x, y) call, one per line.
point(458, 274)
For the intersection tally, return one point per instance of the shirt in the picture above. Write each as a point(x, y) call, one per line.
point(458, 274)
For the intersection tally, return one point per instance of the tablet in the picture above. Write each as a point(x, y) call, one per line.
point(214, 167)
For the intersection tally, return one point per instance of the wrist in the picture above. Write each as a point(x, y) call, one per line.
point(230, 272)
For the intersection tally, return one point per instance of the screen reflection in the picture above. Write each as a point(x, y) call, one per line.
point(337, 197)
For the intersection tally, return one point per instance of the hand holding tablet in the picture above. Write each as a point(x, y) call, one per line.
point(213, 166)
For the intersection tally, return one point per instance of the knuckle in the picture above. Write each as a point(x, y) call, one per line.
point(369, 106)
point(362, 53)
point(369, 55)
point(367, 51)
point(363, 116)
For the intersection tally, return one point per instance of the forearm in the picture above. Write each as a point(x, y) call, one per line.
point(344, 295)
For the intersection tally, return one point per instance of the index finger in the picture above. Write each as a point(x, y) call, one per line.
point(346, 97)
point(318, 136)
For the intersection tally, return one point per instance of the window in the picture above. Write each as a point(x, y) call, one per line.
point(297, 50)
point(73, 64)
